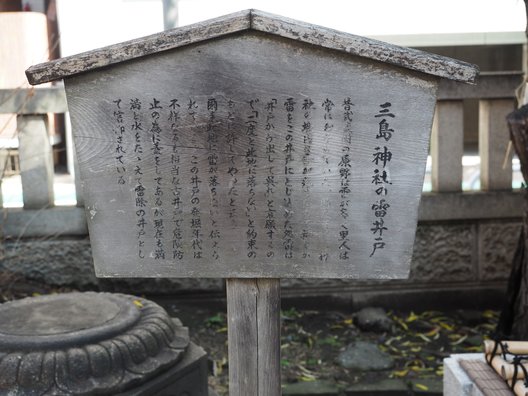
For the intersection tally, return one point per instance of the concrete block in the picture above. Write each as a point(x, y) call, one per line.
point(456, 381)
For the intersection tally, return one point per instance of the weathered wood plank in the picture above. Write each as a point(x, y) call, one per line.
point(409, 58)
point(260, 21)
point(242, 336)
point(253, 315)
point(33, 100)
point(53, 99)
point(36, 161)
point(447, 146)
point(171, 39)
point(268, 330)
point(495, 160)
point(77, 180)
point(212, 175)
point(73, 163)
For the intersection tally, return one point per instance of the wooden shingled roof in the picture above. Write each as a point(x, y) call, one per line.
point(254, 20)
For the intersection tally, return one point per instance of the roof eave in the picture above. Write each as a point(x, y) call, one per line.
point(409, 58)
point(412, 59)
point(136, 48)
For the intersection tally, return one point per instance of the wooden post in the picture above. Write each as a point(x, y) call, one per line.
point(253, 317)
point(36, 161)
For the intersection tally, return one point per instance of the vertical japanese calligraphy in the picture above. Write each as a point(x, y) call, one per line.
point(287, 237)
point(213, 181)
point(173, 120)
point(328, 130)
point(257, 176)
point(157, 150)
point(271, 183)
point(307, 130)
point(119, 132)
point(382, 156)
point(196, 216)
point(232, 169)
point(345, 170)
point(140, 200)
point(251, 181)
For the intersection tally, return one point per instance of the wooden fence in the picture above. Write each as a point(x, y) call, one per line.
point(39, 217)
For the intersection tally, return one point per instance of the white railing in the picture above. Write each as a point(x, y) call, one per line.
point(40, 217)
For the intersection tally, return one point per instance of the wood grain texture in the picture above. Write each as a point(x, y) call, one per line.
point(253, 314)
point(242, 336)
point(268, 330)
point(117, 53)
point(361, 46)
point(323, 191)
point(258, 21)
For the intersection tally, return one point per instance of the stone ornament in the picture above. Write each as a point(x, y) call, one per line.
point(85, 344)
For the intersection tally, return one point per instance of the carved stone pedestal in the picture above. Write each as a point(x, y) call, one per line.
point(96, 344)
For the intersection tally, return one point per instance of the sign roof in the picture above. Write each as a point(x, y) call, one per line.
point(260, 21)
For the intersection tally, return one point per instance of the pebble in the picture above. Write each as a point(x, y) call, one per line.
point(364, 356)
point(374, 319)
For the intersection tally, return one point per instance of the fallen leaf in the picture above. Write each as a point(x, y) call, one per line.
point(460, 340)
point(400, 373)
point(447, 326)
point(423, 337)
point(412, 317)
point(433, 332)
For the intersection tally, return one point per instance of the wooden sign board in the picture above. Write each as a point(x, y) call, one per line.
point(270, 149)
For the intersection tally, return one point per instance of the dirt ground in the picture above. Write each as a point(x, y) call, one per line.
point(311, 340)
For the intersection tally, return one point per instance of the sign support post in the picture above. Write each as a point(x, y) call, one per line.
point(253, 320)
